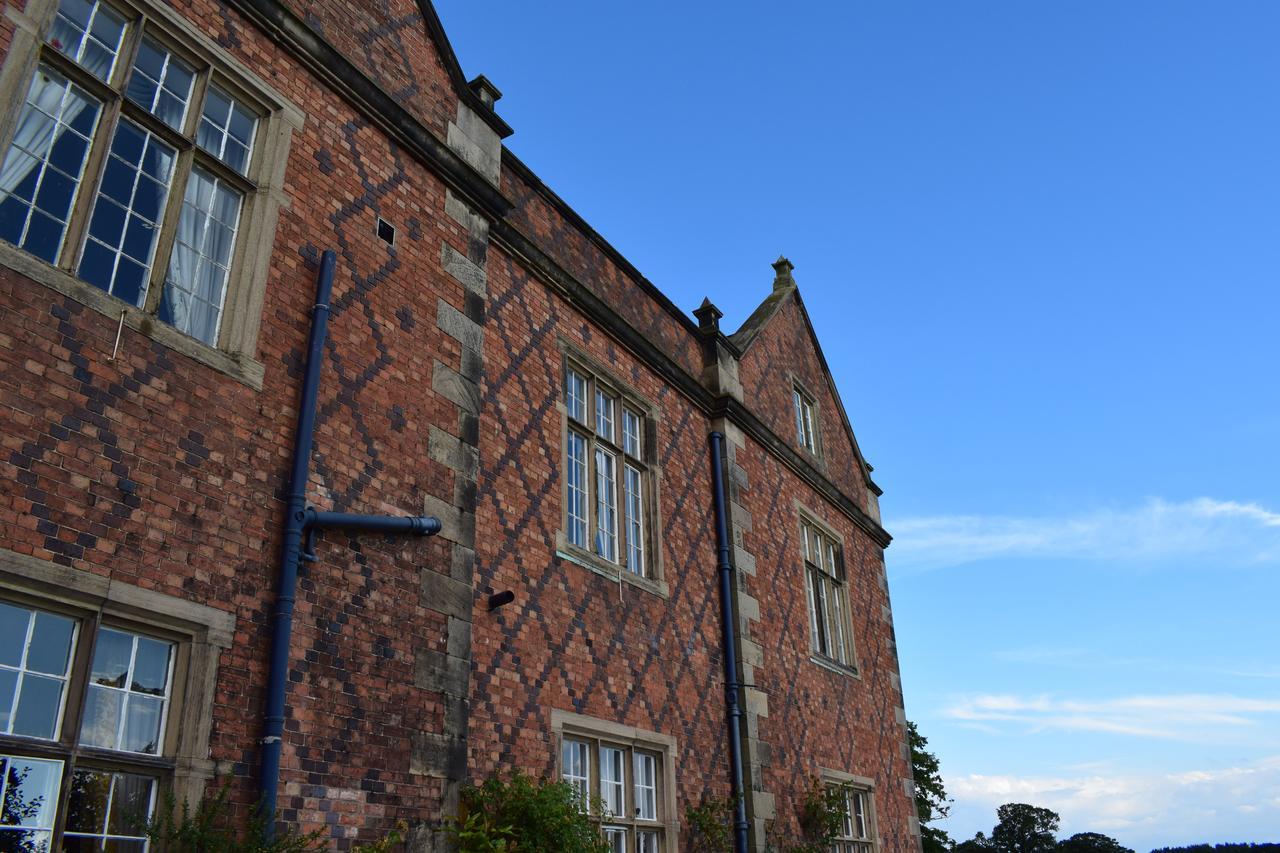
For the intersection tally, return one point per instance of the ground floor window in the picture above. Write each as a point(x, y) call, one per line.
point(625, 778)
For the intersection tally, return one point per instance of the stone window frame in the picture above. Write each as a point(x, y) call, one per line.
point(597, 732)
point(866, 788)
point(200, 634)
point(595, 372)
point(809, 518)
point(235, 353)
point(802, 402)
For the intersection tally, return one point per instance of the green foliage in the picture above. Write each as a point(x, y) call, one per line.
point(932, 802)
point(1091, 842)
point(710, 826)
point(520, 815)
point(821, 820)
point(209, 828)
point(1024, 828)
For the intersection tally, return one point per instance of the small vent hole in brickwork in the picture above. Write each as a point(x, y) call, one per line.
point(386, 231)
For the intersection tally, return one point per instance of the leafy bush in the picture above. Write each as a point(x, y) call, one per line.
point(821, 819)
point(521, 815)
point(710, 826)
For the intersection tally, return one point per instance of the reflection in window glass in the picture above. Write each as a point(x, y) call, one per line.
point(196, 283)
point(126, 217)
point(90, 33)
point(577, 770)
point(606, 506)
point(611, 782)
point(128, 693)
point(28, 802)
point(577, 489)
point(575, 391)
point(161, 83)
point(109, 808)
point(33, 670)
point(226, 129)
point(45, 162)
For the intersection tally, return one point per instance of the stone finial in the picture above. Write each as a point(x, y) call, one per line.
point(782, 273)
point(708, 316)
point(488, 93)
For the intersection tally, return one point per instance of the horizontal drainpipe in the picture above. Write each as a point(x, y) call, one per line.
point(299, 521)
point(729, 639)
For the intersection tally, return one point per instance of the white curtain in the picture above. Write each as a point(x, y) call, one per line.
point(36, 129)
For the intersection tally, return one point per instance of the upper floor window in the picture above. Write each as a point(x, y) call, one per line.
point(827, 593)
point(136, 160)
point(806, 419)
point(83, 742)
point(607, 482)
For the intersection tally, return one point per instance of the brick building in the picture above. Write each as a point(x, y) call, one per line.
point(173, 172)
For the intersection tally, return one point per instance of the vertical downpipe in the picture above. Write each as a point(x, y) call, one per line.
point(728, 638)
point(295, 516)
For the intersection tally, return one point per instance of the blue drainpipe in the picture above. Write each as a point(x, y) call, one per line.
point(729, 639)
point(300, 521)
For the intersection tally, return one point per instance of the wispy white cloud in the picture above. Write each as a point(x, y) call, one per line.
point(1141, 810)
point(1229, 531)
point(1195, 717)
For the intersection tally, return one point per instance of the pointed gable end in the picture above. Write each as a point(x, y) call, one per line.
point(786, 377)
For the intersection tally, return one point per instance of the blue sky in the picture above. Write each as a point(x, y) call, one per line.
point(1041, 245)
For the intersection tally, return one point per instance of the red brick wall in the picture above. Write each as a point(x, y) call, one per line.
point(161, 472)
point(819, 718)
point(567, 641)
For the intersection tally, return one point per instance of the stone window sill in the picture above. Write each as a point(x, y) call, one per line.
point(612, 571)
point(239, 367)
point(835, 666)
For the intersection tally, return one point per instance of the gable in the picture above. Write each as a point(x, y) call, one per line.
point(781, 353)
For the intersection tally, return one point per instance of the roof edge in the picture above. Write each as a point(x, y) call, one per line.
point(435, 31)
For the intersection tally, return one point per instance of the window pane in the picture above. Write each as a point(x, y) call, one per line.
point(631, 433)
point(606, 543)
point(109, 807)
point(576, 769)
point(151, 666)
point(126, 216)
point(102, 714)
point(89, 33)
point(111, 658)
point(195, 285)
point(37, 658)
point(39, 704)
point(616, 838)
point(633, 504)
point(646, 786)
point(45, 162)
point(30, 800)
point(126, 703)
point(576, 492)
point(13, 633)
point(611, 781)
point(604, 415)
point(226, 129)
point(575, 392)
point(161, 83)
point(8, 693)
point(647, 842)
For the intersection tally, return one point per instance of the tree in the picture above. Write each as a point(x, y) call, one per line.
point(1024, 829)
point(1091, 842)
point(978, 844)
point(931, 796)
